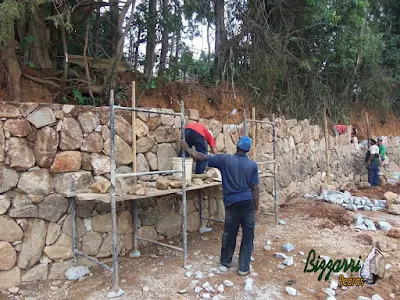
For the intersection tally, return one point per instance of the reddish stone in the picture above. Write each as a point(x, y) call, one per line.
point(67, 161)
point(18, 127)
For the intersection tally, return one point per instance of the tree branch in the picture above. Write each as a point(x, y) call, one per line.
point(87, 66)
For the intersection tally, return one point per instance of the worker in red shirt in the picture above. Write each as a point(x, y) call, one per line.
point(197, 135)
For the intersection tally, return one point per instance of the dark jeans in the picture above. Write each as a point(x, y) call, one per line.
point(241, 213)
point(193, 138)
point(373, 175)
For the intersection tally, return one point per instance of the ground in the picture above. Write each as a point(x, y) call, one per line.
point(310, 224)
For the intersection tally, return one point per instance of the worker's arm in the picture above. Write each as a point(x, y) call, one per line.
point(256, 196)
point(193, 153)
point(214, 150)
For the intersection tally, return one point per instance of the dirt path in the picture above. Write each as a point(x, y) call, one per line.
point(310, 225)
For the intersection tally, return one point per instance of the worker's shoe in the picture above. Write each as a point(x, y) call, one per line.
point(241, 273)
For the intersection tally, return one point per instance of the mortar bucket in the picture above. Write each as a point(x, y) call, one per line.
point(177, 165)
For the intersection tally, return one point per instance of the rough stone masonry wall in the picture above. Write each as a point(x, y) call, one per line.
point(48, 152)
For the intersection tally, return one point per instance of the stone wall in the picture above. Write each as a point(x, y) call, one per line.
point(49, 152)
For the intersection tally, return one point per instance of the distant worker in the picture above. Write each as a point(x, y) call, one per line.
point(382, 150)
point(241, 200)
point(373, 163)
point(197, 135)
point(341, 129)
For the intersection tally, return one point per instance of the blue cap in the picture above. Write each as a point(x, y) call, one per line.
point(380, 138)
point(245, 143)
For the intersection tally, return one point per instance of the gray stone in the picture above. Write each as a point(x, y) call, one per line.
point(361, 227)
point(93, 143)
point(363, 298)
point(8, 178)
point(71, 136)
point(45, 149)
point(9, 230)
point(169, 225)
point(193, 222)
point(359, 220)
point(141, 128)
point(91, 243)
point(8, 256)
point(89, 121)
point(27, 211)
point(42, 117)
point(36, 182)
point(102, 223)
point(17, 127)
point(144, 144)
point(100, 164)
point(61, 250)
point(152, 160)
point(106, 246)
point(370, 225)
point(165, 153)
point(75, 273)
point(142, 166)
point(149, 232)
point(123, 152)
point(125, 222)
point(281, 256)
point(84, 209)
point(288, 261)
point(384, 225)
point(394, 209)
point(38, 272)
point(67, 183)
point(58, 269)
point(53, 232)
point(376, 297)
point(52, 207)
point(4, 204)
point(288, 247)
point(291, 291)
point(32, 244)
point(10, 278)
point(351, 207)
point(21, 156)
point(165, 134)
point(194, 114)
point(80, 227)
point(123, 129)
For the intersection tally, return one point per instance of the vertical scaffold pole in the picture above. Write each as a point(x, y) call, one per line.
point(184, 228)
point(274, 157)
point(113, 200)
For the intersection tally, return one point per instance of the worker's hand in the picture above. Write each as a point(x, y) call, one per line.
point(184, 146)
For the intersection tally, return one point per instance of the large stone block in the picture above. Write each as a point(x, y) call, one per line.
point(91, 243)
point(123, 152)
point(89, 121)
point(8, 256)
point(71, 136)
point(32, 244)
point(100, 164)
point(46, 145)
point(10, 231)
point(42, 117)
point(18, 127)
point(165, 153)
point(67, 161)
point(52, 207)
point(8, 179)
point(10, 278)
point(93, 143)
point(21, 156)
point(38, 272)
point(36, 182)
point(169, 225)
point(165, 134)
point(67, 183)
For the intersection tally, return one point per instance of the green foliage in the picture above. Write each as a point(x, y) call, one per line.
point(78, 97)
point(10, 11)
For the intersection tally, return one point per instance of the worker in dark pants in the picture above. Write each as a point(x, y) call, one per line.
point(241, 200)
point(197, 135)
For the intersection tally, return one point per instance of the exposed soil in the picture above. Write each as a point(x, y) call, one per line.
point(376, 192)
point(160, 269)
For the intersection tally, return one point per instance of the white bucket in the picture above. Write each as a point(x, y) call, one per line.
point(177, 165)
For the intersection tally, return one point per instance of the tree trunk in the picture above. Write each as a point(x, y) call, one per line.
point(151, 38)
point(165, 39)
point(220, 37)
point(14, 69)
point(97, 33)
point(40, 45)
point(115, 32)
point(136, 61)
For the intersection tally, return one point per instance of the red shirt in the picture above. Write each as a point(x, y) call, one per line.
point(202, 130)
point(341, 128)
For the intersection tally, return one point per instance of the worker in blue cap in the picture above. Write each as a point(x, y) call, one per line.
point(241, 200)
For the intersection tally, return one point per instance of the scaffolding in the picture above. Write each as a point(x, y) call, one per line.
point(117, 291)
